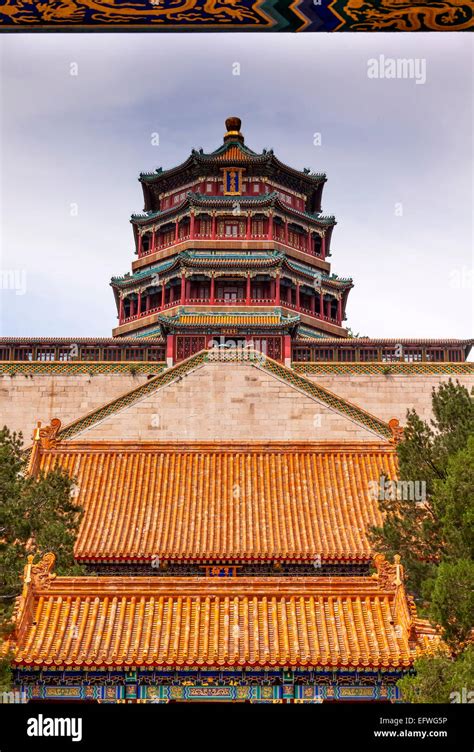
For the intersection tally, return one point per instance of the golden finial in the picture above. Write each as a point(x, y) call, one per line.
point(233, 133)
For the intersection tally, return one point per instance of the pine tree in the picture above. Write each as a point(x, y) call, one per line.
point(37, 515)
point(435, 539)
point(439, 453)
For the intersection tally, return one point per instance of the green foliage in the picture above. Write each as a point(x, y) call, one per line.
point(440, 679)
point(37, 515)
point(5, 671)
point(435, 538)
point(451, 598)
point(427, 447)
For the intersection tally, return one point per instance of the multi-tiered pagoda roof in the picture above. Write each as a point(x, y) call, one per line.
point(231, 232)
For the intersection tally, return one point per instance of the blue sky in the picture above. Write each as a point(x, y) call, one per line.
point(398, 156)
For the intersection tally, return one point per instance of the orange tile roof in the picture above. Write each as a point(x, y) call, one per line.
point(233, 153)
point(224, 502)
point(152, 621)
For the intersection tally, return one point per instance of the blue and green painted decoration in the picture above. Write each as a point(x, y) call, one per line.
point(236, 15)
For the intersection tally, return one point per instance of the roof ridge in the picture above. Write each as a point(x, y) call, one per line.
point(252, 357)
point(161, 379)
point(332, 400)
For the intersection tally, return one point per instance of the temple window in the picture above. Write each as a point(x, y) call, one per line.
point(45, 353)
point(205, 227)
point(231, 229)
point(435, 355)
point(368, 355)
point(112, 353)
point(134, 353)
point(230, 292)
point(413, 356)
point(389, 355)
point(155, 353)
point(90, 353)
point(64, 353)
point(23, 353)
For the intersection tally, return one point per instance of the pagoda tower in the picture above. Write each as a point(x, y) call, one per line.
point(232, 249)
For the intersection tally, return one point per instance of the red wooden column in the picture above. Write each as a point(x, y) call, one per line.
point(277, 290)
point(139, 245)
point(121, 310)
point(248, 233)
point(270, 227)
point(308, 242)
point(153, 240)
point(139, 304)
point(328, 308)
point(286, 232)
point(297, 296)
point(183, 288)
point(212, 294)
point(176, 231)
point(147, 303)
point(312, 304)
point(339, 310)
point(247, 296)
point(132, 307)
point(287, 350)
point(213, 227)
point(163, 293)
point(191, 226)
point(321, 304)
point(169, 349)
point(323, 246)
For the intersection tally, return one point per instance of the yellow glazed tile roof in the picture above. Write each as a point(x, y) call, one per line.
point(225, 502)
point(151, 621)
point(233, 153)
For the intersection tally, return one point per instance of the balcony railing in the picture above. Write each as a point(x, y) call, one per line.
point(233, 302)
point(299, 246)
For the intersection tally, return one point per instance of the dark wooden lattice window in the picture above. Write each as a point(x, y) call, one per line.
point(346, 356)
point(188, 345)
point(45, 353)
point(112, 353)
point(413, 356)
point(134, 353)
point(368, 355)
point(23, 353)
point(155, 354)
point(301, 354)
point(90, 353)
point(435, 356)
